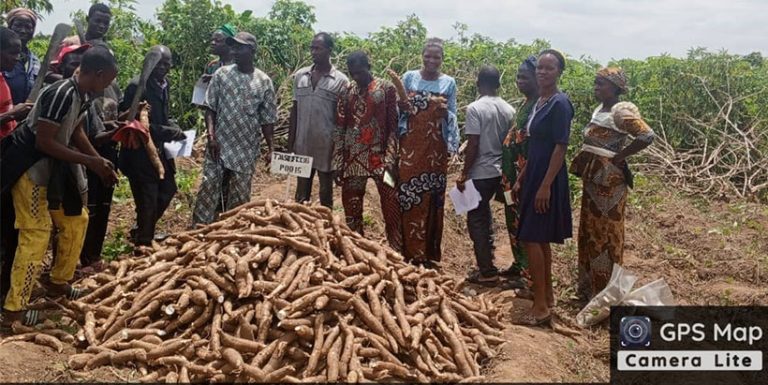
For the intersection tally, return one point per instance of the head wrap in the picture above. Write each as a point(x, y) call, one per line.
point(21, 12)
point(529, 64)
point(227, 29)
point(616, 76)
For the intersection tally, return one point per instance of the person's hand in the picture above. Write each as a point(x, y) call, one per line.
point(124, 115)
point(20, 111)
point(337, 177)
point(460, 183)
point(541, 203)
point(442, 106)
point(114, 125)
point(515, 192)
point(618, 162)
point(267, 157)
point(104, 169)
point(213, 147)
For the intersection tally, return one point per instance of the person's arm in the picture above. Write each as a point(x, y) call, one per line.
point(339, 133)
point(472, 128)
point(81, 142)
point(391, 143)
point(643, 137)
point(53, 77)
point(450, 123)
point(103, 137)
point(127, 99)
point(268, 130)
point(473, 145)
point(561, 116)
point(545, 189)
point(211, 104)
point(18, 113)
point(45, 142)
point(292, 127)
point(268, 117)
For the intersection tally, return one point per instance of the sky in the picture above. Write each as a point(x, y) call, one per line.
point(601, 29)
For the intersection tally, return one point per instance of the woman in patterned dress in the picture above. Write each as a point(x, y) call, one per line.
point(606, 177)
point(428, 136)
point(514, 155)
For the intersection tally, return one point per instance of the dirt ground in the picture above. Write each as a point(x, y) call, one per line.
point(709, 252)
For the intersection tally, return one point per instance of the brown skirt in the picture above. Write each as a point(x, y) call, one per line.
point(421, 192)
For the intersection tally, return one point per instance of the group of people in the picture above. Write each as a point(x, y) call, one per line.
point(58, 163)
point(403, 139)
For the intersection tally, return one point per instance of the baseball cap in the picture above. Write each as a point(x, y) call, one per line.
point(78, 48)
point(244, 38)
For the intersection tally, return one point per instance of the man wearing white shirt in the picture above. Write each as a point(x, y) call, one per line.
point(487, 121)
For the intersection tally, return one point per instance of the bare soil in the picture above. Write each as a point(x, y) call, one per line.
point(709, 252)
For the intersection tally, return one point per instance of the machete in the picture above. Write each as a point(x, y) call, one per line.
point(59, 33)
point(150, 61)
point(80, 31)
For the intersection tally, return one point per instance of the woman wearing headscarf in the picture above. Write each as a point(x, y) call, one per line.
point(219, 48)
point(602, 167)
point(22, 77)
point(428, 135)
point(514, 155)
point(545, 207)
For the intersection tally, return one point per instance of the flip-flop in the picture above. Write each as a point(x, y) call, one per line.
point(530, 320)
point(28, 318)
point(69, 292)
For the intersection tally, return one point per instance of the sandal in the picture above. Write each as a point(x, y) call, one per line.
point(530, 320)
point(25, 317)
point(515, 283)
point(478, 278)
point(54, 291)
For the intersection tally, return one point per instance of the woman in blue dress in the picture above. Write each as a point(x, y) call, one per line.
point(545, 207)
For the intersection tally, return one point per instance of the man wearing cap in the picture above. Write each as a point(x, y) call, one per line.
point(316, 91)
point(240, 108)
point(66, 62)
point(219, 48)
point(22, 77)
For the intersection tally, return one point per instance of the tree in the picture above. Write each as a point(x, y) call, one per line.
point(38, 6)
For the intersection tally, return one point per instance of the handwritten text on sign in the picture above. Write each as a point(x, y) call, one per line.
point(291, 164)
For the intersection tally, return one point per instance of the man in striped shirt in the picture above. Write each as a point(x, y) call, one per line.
point(42, 166)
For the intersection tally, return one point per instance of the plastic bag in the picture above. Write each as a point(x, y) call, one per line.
point(619, 292)
point(599, 307)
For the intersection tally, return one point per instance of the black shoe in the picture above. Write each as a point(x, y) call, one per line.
point(515, 283)
point(160, 237)
point(485, 279)
point(511, 272)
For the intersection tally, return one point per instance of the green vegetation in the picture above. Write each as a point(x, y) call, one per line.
point(695, 103)
point(116, 245)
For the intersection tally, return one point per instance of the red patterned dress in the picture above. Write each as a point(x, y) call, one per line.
point(365, 145)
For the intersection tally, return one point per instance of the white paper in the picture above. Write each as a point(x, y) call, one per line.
point(466, 201)
point(181, 148)
point(291, 164)
point(388, 179)
point(198, 93)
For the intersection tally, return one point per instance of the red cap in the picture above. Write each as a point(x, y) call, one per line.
point(64, 51)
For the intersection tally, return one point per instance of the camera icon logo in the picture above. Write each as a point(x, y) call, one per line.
point(635, 332)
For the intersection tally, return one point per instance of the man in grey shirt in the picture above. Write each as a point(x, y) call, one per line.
point(316, 92)
point(487, 121)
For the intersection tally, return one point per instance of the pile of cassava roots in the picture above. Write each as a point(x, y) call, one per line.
point(276, 292)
